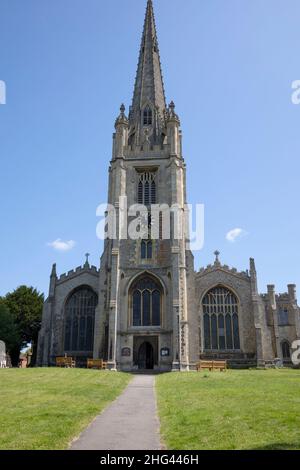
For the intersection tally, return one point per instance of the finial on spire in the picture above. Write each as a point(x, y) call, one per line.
point(121, 119)
point(252, 265)
point(217, 254)
point(253, 276)
point(171, 112)
point(87, 255)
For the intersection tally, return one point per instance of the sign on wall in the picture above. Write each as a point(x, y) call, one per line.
point(126, 352)
point(165, 352)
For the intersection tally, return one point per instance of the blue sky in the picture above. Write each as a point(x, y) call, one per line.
point(227, 64)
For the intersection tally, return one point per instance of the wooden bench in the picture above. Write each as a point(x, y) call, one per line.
point(60, 361)
point(212, 365)
point(204, 365)
point(96, 364)
point(65, 362)
point(220, 365)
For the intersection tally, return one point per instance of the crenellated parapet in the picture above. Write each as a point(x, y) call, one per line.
point(145, 151)
point(210, 268)
point(77, 272)
point(285, 297)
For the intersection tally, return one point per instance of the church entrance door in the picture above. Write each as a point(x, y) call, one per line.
point(146, 356)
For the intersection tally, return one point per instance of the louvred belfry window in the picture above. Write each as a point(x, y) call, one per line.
point(146, 249)
point(147, 116)
point(221, 320)
point(147, 188)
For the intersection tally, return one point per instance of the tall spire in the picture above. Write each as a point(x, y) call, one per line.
point(149, 88)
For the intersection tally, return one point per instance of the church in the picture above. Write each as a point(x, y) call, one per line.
point(145, 307)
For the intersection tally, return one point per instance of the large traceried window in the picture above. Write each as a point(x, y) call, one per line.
point(80, 319)
point(147, 188)
point(221, 320)
point(146, 297)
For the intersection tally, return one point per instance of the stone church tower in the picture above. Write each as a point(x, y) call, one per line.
point(146, 307)
point(143, 283)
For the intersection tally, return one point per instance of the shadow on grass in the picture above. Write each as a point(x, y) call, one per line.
point(279, 446)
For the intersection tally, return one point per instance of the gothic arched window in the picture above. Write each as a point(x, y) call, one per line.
point(146, 298)
point(79, 320)
point(220, 320)
point(131, 139)
point(147, 188)
point(147, 116)
point(285, 347)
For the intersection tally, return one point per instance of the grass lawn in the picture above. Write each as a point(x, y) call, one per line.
point(47, 408)
point(250, 409)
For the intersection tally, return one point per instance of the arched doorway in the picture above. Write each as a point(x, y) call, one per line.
point(146, 356)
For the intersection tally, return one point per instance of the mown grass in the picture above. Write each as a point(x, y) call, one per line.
point(47, 408)
point(252, 409)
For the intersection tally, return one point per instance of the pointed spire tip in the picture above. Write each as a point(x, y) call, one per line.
point(149, 87)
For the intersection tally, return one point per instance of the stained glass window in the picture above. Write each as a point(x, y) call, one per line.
point(137, 318)
point(214, 332)
point(236, 336)
point(146, 302)
point(80, 319)
point(146, 307)
point(221, 328)
point(220, 320)
point(228, 323)
point(207, 342)
point(156, 308)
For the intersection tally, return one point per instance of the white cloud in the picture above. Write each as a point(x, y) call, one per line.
point(234, 234)
point(60, 245)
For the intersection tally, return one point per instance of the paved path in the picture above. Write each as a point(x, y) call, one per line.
point(129, 423)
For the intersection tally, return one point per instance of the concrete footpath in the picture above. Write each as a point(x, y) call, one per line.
point(129, 423)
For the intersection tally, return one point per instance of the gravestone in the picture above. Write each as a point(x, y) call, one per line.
point(2, 354)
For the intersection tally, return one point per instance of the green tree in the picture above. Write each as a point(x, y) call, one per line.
point(26, 306)
point(8, 329)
